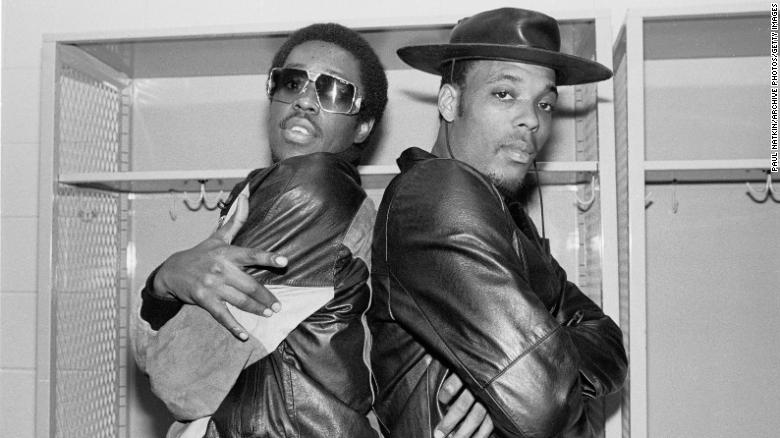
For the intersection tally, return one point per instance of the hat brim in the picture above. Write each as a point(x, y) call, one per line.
point(571, 70)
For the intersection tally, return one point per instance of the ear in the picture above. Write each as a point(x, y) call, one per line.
point(448, 102)
point(362, 130)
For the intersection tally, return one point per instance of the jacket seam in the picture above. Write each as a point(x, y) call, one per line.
point(367, 339)
point(387, 251)
point(528, 350)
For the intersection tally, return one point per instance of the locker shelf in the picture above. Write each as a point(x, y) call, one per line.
point(706, 170)
point(189, 180)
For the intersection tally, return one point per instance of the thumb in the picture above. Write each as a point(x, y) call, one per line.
point(228, 231)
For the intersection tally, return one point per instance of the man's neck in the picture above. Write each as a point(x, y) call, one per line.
point(352, 154)
point(440, 148)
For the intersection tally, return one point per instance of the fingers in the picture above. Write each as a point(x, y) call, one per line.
point(485, 429)
point(213, 301)
point(210, 275)
point(472, 422)
point(219, 311)
point(457, 411)
point(244, 292)
point(450, 389)
point(255, 257)
point(465, 417)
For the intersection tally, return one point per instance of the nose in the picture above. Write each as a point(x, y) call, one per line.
point(527, 116)
point(306, 101)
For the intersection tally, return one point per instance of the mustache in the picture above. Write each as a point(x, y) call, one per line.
point(297, 114)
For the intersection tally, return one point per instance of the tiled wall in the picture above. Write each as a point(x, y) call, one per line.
point(23, 24)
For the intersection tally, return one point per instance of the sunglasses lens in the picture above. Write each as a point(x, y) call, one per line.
point(287, 83)
point(335, 95)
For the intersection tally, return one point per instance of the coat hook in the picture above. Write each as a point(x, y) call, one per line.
point(198, 202)
point(584, 205)
point(767, 190)
point(201, 201)
point(648, 200)
point(172, 211)
point(675, 202)
point(217, 203)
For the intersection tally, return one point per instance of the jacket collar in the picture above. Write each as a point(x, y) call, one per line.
point(412, 156)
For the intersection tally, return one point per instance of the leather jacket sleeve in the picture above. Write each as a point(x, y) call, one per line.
point(525, 341)
point(603, 363)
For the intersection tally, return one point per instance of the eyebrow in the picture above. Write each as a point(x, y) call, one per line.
point(516, 78)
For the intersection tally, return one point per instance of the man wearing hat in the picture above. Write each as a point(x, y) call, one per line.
point(461, 278)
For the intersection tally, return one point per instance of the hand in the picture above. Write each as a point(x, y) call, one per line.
point(469, 415)
point(210, 275)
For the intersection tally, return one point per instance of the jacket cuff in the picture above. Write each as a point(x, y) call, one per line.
point(157, 311)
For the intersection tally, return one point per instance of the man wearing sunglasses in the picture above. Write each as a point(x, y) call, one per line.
point(286, 273)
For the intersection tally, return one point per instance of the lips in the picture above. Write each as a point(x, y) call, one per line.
point(519, 153)
point(520, 156)
point(298, 129)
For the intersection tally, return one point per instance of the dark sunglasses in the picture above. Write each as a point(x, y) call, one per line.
point(334, 94)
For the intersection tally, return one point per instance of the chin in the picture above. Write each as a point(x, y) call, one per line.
point(507, 186)
point(290, 150)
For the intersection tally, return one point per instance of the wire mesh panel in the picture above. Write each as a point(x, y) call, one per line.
point(89, 129)
point(85, 299)
point(89, 238)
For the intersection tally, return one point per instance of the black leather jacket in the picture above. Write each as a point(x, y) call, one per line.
point(313, 210)
point(462, 282)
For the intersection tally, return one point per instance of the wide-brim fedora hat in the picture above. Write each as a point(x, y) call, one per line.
point(507, 34)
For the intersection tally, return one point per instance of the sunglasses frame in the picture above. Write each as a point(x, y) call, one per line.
point(312, 77)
